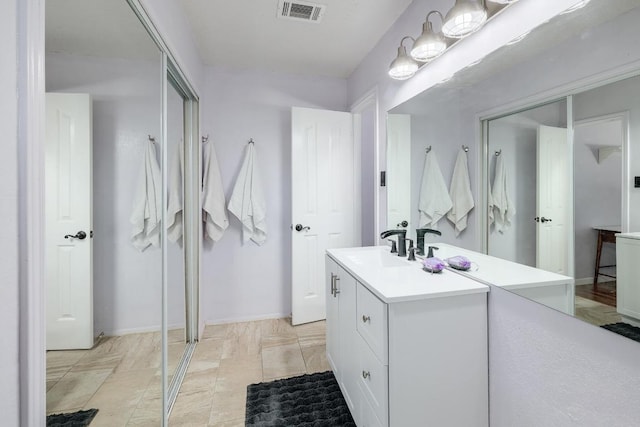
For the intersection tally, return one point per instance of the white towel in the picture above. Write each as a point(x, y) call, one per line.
point(147, 214)
point(504, 209)
point(247, 200)
point(434, 201)
point(175, 194)
point(460, 193)
point(214, 214)
point(491, 206)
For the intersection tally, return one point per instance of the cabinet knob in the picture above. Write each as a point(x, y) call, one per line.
point(366, 374)
point(365, 319)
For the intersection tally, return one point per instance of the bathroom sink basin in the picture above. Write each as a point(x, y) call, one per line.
point(379, 257)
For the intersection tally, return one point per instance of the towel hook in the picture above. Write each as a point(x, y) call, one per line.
point(205, 138)
point(152, 138)
point(428, 149)
point(498, 152)
point(251, 141)
point(465, 148)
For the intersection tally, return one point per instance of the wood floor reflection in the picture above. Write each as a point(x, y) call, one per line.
point(597, 305)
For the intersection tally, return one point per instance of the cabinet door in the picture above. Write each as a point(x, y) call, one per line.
point(628, 295)
point(333, 318)
point(346, 287)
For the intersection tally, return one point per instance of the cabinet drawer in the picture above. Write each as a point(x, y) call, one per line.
point(368, 417)
point(371, 318)
point(373, 381)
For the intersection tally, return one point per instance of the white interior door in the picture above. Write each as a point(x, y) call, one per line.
point(68, 223)
point(553, 201)
point(323, 193)
point(398, 169)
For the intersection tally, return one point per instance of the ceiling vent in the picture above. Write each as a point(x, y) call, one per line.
point(300, 11)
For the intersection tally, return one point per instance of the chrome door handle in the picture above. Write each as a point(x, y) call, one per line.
point(80, 235)
point(300, 227)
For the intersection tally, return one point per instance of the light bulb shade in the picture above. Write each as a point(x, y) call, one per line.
point(465, 17)
point(403, 67)
point(429, 45)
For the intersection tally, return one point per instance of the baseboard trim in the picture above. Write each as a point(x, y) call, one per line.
point(246, 318)
point(140, 330)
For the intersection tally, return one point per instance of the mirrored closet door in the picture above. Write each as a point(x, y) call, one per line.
point(121, 119)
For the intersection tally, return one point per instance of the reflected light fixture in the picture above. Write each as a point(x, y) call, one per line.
point(403, 67)
point(578, 5)
point(465, 17)
point(430, 44)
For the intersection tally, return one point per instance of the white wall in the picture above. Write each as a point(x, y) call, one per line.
point(9, 391)
point(250, 281)
point(126, 108)
point(597, 193)
point(368, 179)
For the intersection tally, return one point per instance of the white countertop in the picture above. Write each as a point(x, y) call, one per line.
point(500, 272)
point(394, 279)
point(634, 235)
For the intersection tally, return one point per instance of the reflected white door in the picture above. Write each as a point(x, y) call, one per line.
point(322, 203)
point(398, 170)
point(68, 223)
point(553, 202)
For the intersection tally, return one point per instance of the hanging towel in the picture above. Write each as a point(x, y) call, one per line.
point(434, 201)
point(491, 206)
point(247, 200)
point(175, 194)
point(214, 214)
point(460, 193)
point(146, 215)
point(504, 209)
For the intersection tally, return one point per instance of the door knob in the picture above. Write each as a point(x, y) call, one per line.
point(536, 219)
point(403, 224)
point(543, 219)
point(300, 227)
point(81, 235)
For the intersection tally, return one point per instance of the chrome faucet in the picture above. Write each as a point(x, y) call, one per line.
point(420, 238)
point(402, 235)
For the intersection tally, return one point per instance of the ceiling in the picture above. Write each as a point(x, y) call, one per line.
point(248, 33)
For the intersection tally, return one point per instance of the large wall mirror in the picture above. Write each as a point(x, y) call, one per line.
point(120, 146)
point(560, 110)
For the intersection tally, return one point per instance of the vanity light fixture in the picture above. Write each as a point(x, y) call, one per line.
point(403, 67)
point(464, 18)
point(430, 44)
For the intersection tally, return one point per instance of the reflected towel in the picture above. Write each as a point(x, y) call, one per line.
point(247, 201)
point(491, 205)
point(147, 215)
point(504, 208)
point(175, 194)
point(214, 214)
point(434, 201)
point(460, 193)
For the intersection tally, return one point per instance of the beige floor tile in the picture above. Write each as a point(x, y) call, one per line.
point(242, 339)
point(282, 361)
point(234, 377)
point(75, 389)
point(176, 336)
point(277, 327)
point(315, 359)
point(232, 423)
point(214, 332)
point(208, 350)
point(192, 407)
point(195, 382)
point(278, 340)
point(140, 351)
point(311, 334)
point(59, 362)
point(148, 413)
point(228, 406)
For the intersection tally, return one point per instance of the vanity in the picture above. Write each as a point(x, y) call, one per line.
point(408, 347)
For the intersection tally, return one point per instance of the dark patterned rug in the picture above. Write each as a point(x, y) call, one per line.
point(306, 401)
point(625, 330)
point(72, 419)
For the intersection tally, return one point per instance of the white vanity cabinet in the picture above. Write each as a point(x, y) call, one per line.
point(408, 348)
point(628, 288)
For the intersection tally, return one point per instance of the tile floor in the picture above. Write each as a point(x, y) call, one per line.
point(596, 313)
point(121, 376)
